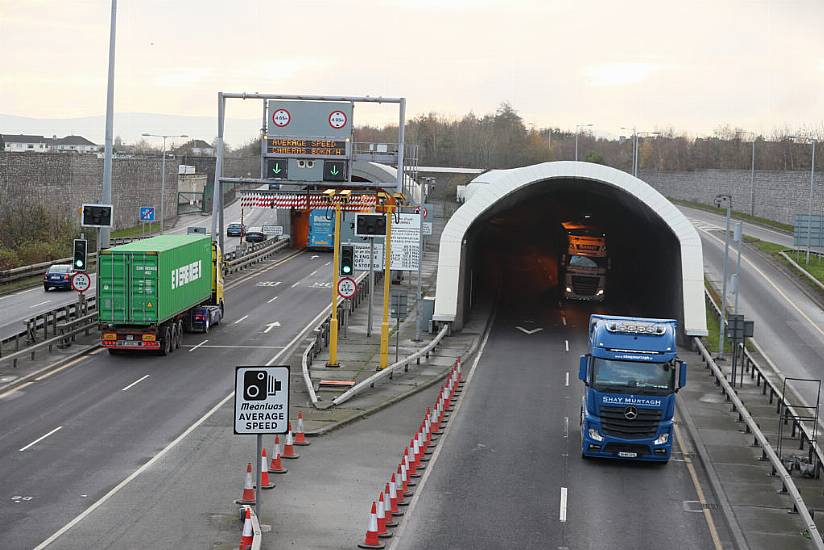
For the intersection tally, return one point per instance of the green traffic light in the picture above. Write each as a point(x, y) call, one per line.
point(347, 269)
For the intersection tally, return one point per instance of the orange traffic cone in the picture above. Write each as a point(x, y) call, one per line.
point(275, 465)
point(247, 537)
point(392, 498)
point(264, 471)
point(372, 540)
point(248, 488)
point(300, 437)
point(461, 381)
point(383, 532)
point(289, 447)
point(387, 511)
point(396, 484)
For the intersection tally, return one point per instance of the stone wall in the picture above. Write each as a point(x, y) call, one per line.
point(67, 180)
point(779, 196)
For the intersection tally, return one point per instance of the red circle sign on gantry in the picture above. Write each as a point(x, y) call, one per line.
point(347, 287)
point(337, 119)
point(281, 118)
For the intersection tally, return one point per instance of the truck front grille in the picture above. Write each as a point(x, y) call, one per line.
point(615, 423)
point(584, 286)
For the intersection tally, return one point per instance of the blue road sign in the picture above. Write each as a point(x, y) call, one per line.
point(147, 213)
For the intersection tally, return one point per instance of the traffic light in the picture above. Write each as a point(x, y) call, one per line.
point(347, 260)
point(79, 261)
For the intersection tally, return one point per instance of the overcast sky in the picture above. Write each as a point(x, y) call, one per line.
point(690, 65)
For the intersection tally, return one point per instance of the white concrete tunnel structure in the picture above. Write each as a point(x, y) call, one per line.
point(488, 189)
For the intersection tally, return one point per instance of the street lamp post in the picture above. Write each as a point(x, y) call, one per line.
point(635, 135)
point(577, 131)
point(163, 175)
point(752, 169)
point(813, 141)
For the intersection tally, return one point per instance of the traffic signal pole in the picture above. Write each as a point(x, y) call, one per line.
point(333, 324)
point(387, 279)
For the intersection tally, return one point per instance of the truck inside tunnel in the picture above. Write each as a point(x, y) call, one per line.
point(513, 250)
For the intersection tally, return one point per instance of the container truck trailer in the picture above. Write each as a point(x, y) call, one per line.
point(150, 292)
point(630, 376)
point(584, 262)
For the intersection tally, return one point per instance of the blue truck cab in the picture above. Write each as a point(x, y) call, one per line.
point(631, 375)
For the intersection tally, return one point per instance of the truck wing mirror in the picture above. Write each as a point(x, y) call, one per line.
point(582, 368)
point(682, 374)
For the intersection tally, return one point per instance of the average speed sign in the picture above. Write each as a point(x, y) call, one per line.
point(81, 282)
point(347, 287)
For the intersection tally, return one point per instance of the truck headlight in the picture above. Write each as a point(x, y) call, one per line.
point(662, 439)
point(568, 289)
point(600, 292)
point(593, 434)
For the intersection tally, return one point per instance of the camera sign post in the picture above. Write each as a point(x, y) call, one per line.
point(261, 407)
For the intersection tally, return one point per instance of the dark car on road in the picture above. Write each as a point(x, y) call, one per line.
point(235, 229)
point(255, 235)
point(58, 276)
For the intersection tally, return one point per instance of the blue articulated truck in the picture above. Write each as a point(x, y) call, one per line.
point(631, 375)
point(321, 229)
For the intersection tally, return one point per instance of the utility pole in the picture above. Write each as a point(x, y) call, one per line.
point(738, 237)
point(578, 131)
point(810, 206)
point(333, 323)
point(722, 201)
point(752, 179)
point(387, 279)
point(106, 196)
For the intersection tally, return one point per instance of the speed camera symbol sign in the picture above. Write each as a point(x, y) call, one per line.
point(281, 118)
point(261, 400)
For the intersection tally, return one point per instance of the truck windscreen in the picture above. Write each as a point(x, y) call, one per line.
point(610, 375)
point(586, 261)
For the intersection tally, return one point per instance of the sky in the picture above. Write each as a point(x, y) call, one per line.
point(693, 66)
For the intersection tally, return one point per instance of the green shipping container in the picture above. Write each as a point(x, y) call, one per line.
point(150, 281)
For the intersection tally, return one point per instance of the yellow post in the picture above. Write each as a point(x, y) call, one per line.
point(333, 328)
point(387, 252)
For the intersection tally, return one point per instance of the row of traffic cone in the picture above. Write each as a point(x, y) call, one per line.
point(415, 458)
point(275, 466)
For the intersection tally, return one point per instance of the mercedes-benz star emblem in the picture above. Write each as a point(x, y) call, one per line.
point(630, 413)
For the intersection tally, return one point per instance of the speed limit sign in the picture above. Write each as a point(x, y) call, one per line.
point(347, 287)
point(81, 282)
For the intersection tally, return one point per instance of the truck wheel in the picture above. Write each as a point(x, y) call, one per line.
point(179, 334)
point(221, 308)
point(173, 341)
point(165, 343)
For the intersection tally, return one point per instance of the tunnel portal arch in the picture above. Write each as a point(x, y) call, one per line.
point(499, 189)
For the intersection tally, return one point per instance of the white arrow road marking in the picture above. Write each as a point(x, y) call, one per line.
point(239, 320)
point(136, 382)
point(270, 326)
point(272, 300)
point(529, 332)
point(41, 438)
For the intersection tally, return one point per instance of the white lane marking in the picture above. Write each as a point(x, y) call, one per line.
point(18, 388)
point(272, 300)
point(134, 474)
point(316, 256)
point(566, 426)
point(64, 367)
point(40, 304)
point(239, 347)
point(327, 263)
point(566, 378)
point(135, 383)
point(296, 284)
point(270, 326)
point(239, 320)
point(25, 291)
point(563, 504)
point(563, 320)
point(41, 438)
point(197, 346)
point(566, 345)
point(778, 290)
point(314, 272)
point(277, 283)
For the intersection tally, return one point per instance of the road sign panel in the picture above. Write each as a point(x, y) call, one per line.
point(147, 213)
point(261, 400)
point(337, 119)
point(370, 225)
point(347, 287)
point(277, 169)
point(271, 230)
point(334, 170)
point(81, 282)
point(96, 215)
point(281, 118)
point(426, 228)
point(299, 147)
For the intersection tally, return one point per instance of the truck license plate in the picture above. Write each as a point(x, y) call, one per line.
point(624, 454)
point(129, 343)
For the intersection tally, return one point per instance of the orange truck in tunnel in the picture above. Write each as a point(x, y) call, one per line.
point(584, 262)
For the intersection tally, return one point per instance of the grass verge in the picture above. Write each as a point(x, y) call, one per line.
point(814, 268)
point(136, 231)
point(735, 214)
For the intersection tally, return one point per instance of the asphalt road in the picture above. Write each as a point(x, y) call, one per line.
point(23, 305)
point(69, 438)
point(513, 454)
point(702, 217)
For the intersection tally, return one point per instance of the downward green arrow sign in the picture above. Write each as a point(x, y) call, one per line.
point(334, 171)
point(277, 169)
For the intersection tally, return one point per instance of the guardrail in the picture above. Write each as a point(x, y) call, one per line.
point(26, 271)
point(802, 270)
point(778, 468)
point(41, 323)
point(257, 533)
point(67, 333)
point(254, 254)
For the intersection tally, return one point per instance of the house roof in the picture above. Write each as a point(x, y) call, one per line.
point(72, 140)
point(199, 143)
point(23, 138)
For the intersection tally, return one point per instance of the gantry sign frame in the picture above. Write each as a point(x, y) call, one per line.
point(217, 196)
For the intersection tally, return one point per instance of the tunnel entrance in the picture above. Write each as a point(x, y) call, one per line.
point(511, 243)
